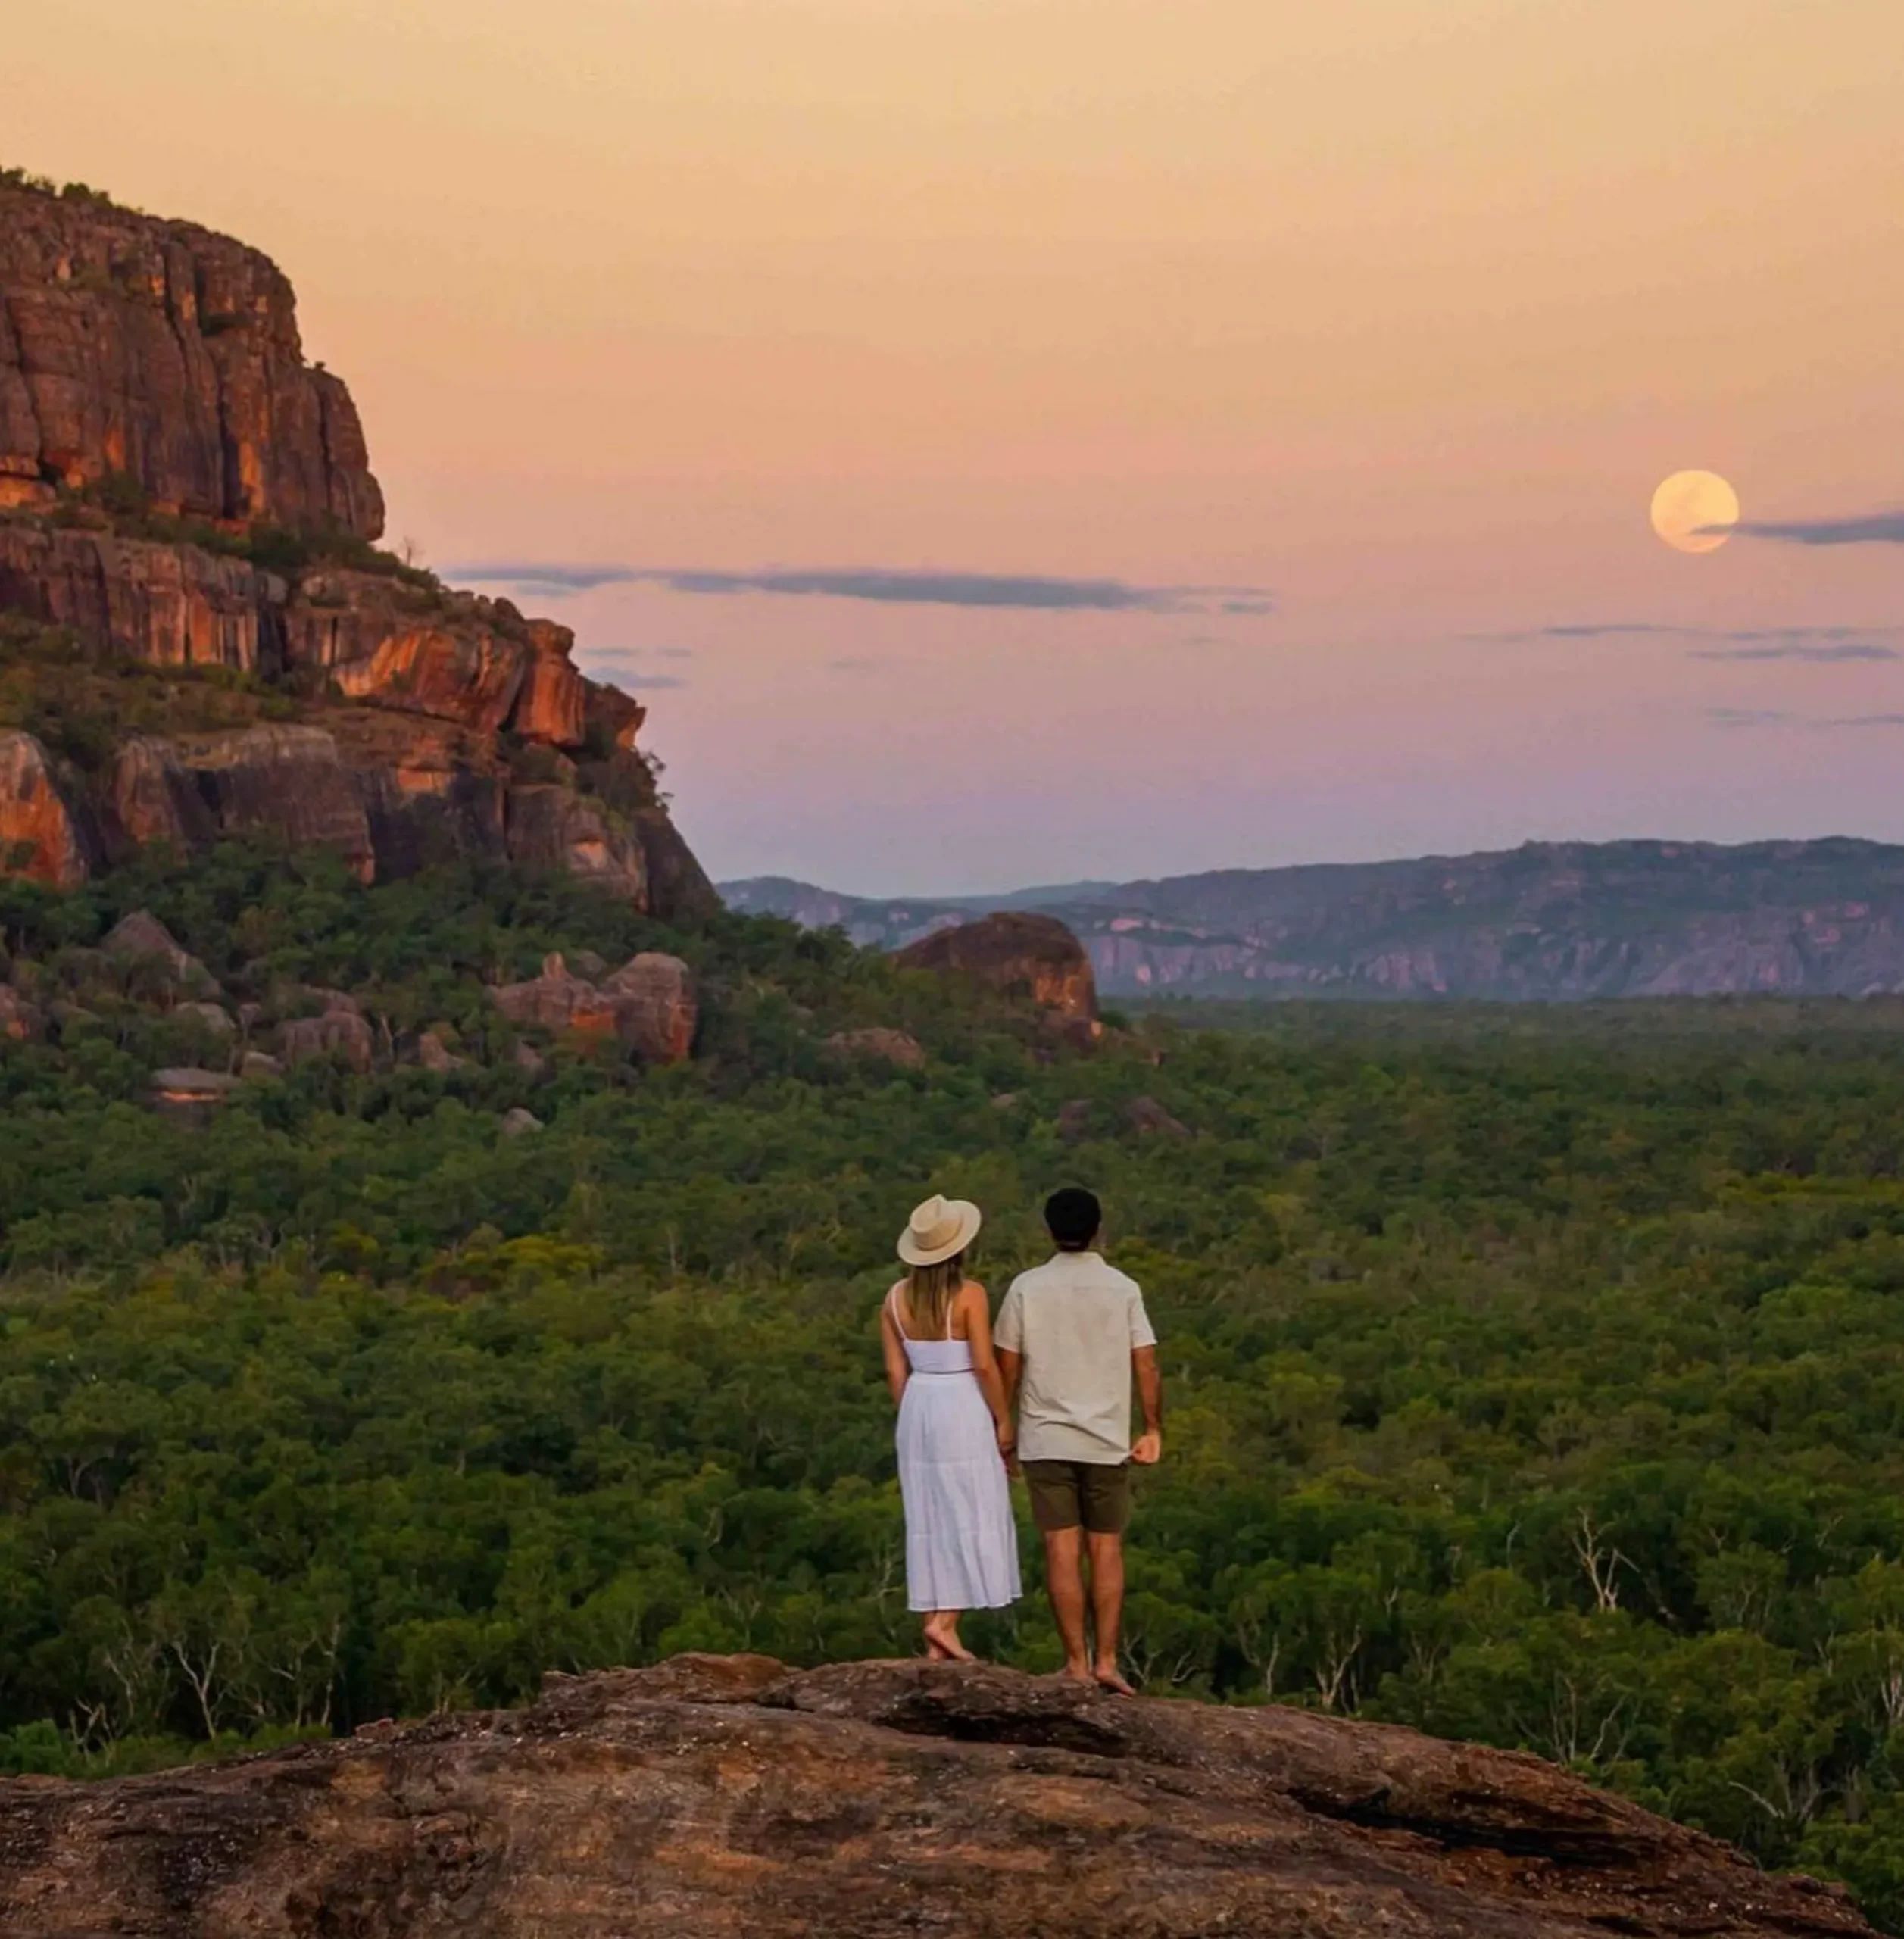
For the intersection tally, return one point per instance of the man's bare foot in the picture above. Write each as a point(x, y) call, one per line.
point(1076, 1673)
point(1106, 1677)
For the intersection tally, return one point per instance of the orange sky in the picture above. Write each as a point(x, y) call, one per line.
point(1400, 308)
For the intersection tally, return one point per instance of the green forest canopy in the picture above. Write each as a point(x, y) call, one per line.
point(1535, 1377)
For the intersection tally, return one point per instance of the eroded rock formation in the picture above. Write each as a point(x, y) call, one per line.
point(649, 1004)
point(727, 1796)
point(1035, 956)
point(157, 420)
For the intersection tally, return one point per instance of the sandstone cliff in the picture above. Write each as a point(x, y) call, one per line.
point(1549, 920)
point(727, 1796)
point(182, 496)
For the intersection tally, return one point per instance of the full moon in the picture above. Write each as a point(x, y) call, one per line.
point(1687, 508)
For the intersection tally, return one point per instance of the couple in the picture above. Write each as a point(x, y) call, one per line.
point(1070, 1335)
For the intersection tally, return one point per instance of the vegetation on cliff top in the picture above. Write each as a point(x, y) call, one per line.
point(1539, 1385)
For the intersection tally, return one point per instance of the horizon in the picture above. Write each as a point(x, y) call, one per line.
point(1099, 440)
point(1044, 888)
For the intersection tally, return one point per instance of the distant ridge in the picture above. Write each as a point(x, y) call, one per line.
point(1547, 921)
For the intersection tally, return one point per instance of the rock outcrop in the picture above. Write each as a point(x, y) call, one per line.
point(880, 1044)
point(1034, 956)
point(649, 1004)
point(158, 421)
point(44, 834)
point(727, 1795)
point(162, 354)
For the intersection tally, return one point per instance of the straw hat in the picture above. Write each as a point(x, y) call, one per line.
point(937, 1230)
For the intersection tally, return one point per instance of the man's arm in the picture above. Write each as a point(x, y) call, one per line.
point(1149, 1445)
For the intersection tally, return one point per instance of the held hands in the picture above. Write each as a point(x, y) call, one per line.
point(1147, 1450)
point(1008, 1445)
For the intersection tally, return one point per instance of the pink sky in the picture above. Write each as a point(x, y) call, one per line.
point(1400, 309)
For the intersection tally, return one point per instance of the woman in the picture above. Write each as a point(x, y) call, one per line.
point(954, 1435)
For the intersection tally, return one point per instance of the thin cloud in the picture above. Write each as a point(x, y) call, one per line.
point(1745, 717)
point(1814, 643)
point(549, 581)
point(1862, 529)
point(1864, 720)
point(1819, 655)
point(1024, 592)
point(854, 663)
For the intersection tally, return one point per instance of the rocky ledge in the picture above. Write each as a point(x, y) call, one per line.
point(715, 1795)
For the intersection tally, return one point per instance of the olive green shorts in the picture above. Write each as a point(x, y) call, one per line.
point(1066, 1495)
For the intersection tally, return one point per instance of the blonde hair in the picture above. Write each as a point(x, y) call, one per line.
point(930, 1291)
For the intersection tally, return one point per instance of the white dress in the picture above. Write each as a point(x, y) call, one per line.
point(961, 1543)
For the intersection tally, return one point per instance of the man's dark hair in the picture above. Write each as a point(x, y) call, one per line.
point(1073, 1215)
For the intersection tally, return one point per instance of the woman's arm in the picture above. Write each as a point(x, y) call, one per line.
point(898, 1368)
point(985, 1363)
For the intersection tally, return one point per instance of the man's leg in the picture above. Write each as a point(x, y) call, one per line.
point(1107, 1608)
point(1053, 1486)
point(1064, 1581)
point(1104, 1508)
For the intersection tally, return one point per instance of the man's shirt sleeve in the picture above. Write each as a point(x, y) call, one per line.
point(1142, 1333)
point(1008, 1334)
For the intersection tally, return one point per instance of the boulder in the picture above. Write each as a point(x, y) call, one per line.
point(648, 1004)
point(711, 1797)
point(1074, 1119)
point(185, 1091)
point(44, 835)
point(436, 1055)
point(211, 1016)
point(141, 937)
point(516, 1121)
point(337, 1033)
point(1147, 1117)
point(259, 1063)
point(1030, 956)
point(20, 1022)
point(548, 1001)
point(890, 1046)
point(526, 1056)
point(655, 1008)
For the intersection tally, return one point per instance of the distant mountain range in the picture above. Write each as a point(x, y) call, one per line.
point(1547, 921)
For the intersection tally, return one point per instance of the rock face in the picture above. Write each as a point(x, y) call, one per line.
point(726, 1796)
point(1035, 955)
point(161, 353)
point(156, 416)
point(43, 831)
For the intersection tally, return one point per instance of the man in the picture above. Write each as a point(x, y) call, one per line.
point(1070, 1335)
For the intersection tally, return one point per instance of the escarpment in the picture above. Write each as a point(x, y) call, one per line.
point(198, 636)
point(714, 1795)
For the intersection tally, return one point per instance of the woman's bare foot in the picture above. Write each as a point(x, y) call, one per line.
point(1107, 1677)
point(942, 1643)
